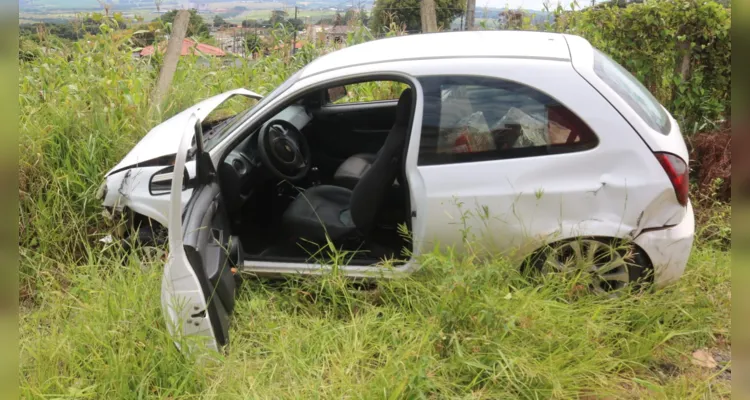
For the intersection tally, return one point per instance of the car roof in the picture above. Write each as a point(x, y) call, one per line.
point(446, 45)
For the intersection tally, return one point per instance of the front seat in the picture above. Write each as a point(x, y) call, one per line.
point(351, 171)
point(354, 168)
point(342, 213)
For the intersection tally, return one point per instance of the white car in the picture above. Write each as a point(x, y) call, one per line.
point(528, 144)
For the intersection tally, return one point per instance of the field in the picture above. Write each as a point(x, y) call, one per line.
point(233, 11)
point(91, 324)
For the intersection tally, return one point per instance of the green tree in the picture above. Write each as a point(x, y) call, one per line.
point(252, 23)
point(196, 26)
point(355, 14)
point(278, 17)
point(295, 24)
point(219, 21)
point(407, 12)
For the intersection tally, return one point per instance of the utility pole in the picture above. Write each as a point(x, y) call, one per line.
point(471, 6)
point(429, 17)
point(294, 37)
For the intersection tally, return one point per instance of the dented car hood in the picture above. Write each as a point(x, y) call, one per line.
point(164, 138)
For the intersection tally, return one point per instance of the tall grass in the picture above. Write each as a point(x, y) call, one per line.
point(91, 325)
point(458, 329)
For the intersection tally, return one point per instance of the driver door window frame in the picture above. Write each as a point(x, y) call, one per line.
point(304, 87)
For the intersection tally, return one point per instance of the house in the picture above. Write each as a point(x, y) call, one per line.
point(511, 19)
point(189, 48)
point(336, 35)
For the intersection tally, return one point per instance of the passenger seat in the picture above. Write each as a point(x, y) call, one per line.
point(352, 170)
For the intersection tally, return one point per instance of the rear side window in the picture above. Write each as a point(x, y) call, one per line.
point(632, 91)
point(473, 118)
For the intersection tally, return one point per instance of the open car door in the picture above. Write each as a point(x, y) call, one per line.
point(198, 286)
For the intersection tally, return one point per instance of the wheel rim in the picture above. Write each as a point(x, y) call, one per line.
point(607, 266)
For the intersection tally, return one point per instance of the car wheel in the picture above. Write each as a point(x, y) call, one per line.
point(610, 264)
point(149, 243)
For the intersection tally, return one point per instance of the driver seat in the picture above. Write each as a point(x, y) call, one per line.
point(341, 213)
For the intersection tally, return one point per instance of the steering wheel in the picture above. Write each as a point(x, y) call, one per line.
point(284, 150)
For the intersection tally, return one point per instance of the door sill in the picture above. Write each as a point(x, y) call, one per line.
point(276, 268)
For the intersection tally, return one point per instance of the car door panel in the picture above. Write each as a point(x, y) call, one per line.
point(210, 250)
point(198, 285)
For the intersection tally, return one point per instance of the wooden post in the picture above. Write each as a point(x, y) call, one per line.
point(429, 17)
point(171, 57)
point(682, 67)
point(471, 6)
point(294, 38)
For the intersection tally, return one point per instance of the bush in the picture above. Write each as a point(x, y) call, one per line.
point(681, 50)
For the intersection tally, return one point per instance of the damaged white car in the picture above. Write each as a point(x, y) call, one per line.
point(538, 146)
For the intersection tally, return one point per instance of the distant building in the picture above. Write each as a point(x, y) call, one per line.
point(511, 19)
point(338, 34)
point(189, 48)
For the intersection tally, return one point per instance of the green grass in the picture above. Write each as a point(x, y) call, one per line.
point(90, 318)
point(457, 329)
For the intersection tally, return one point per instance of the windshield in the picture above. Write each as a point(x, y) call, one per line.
point(217, 133)
point(632, 91)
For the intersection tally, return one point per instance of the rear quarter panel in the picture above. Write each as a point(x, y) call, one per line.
point(583, 61)
point(513, 205)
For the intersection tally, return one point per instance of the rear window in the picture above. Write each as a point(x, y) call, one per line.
point(632, 91)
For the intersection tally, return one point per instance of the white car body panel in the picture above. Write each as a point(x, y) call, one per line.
point(127, 186)
point(430, 49)
point(614, 190)
point(162, 140)
point(583, 61)
point(182, 299)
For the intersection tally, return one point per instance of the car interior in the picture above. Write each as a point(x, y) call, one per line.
point(322, 171)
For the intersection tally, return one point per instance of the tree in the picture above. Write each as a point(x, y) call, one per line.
point(295, 24)
point(354, 14)
point(253, 43)
point(278, 17)
point(219, 21)
point(196, 25)
point(407, 12)
point(251, 23)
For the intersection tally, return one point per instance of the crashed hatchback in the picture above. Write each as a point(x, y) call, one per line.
point(538, 145)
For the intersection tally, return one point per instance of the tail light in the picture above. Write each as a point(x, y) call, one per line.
point(678, 173)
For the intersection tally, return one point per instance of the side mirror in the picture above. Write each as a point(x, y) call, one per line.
point(161, 182)
point(336, 93)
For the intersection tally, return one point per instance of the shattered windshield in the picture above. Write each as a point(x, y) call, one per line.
point(217, 132)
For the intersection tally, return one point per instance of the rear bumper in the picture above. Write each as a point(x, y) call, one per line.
point(669, 249)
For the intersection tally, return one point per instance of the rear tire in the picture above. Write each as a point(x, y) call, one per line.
point(613, 265)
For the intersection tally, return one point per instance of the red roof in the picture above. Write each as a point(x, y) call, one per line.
point(297, 45)
point(189, 47)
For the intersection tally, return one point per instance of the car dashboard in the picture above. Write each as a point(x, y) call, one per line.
point(242, 168)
